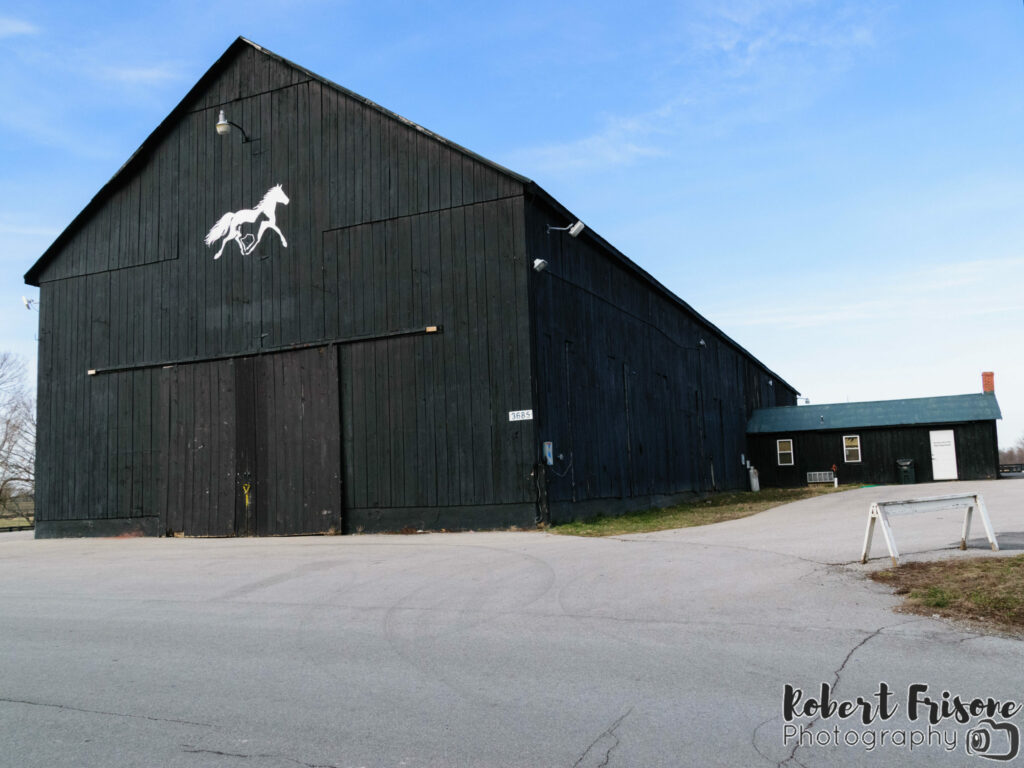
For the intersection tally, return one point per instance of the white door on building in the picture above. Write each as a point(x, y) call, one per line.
point(943, 455)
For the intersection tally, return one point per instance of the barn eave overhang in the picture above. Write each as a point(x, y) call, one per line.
point(32, 276)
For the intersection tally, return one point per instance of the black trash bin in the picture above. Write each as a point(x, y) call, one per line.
point(905, 470)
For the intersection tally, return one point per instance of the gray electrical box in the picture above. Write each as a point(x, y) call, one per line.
point(549, 453)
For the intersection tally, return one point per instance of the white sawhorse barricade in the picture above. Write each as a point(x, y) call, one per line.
point(881, 511)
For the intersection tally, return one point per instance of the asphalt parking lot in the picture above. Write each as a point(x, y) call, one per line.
point(494, 649)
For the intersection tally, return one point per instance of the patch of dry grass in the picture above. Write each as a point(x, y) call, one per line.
point(989, 590)
point(713, 509)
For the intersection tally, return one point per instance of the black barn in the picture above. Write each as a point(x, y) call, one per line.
point(945, 438)
point(375, 347)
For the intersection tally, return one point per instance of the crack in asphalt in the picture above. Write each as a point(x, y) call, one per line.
point(70, 708)
point(219, 753)
point(609, 732)
point(836, 679)
point(975, 636)
point(753, 737)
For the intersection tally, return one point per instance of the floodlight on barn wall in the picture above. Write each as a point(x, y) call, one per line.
point(224, 127)
point(573, 229)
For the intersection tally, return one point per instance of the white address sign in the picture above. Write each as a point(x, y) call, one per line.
point(520, 415)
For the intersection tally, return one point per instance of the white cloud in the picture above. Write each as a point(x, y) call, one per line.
point(140, 75)
point(621, 142)
point(15, 27)
point(753, 31)
point(46, 122)
point(957, 291)
point(732, 63)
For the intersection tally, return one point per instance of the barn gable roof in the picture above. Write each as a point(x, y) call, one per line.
point(209, 81)
point(140, 155)
point(879, 413)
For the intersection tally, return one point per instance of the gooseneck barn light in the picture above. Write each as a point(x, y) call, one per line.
point(573, 229)
point(224, 128)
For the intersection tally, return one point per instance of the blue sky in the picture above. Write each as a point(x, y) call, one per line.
point(837, 185)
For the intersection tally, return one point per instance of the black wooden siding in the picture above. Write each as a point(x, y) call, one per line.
point(977, 454)
point(638, 409)
point(389, 229)
point(306, 373)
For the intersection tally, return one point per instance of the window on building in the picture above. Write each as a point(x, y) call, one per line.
point(851, 448)
point(785, 449)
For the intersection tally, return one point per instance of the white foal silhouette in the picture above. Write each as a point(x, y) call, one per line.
point(227, 226)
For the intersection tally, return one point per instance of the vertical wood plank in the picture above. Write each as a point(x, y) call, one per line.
point(352, 458)
point(437, 406)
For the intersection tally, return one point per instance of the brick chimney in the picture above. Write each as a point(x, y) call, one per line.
point(988, 383)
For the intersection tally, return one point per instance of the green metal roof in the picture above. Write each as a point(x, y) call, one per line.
point(880, 413)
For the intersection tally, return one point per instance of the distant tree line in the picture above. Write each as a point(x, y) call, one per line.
point(17, 439)
point(1014, 454)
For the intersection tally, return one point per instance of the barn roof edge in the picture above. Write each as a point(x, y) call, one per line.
point(32, 275)
point(631, 265)
point(947, 409)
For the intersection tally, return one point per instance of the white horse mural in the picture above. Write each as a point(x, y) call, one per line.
point(229, 225)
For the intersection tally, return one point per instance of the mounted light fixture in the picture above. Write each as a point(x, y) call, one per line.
point(573, 229)
point(539, 265)
point(702, 343)
point(224, 128)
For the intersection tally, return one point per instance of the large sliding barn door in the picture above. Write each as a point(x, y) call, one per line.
point(254, 445)
point(297, 443)
point(199, 457)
